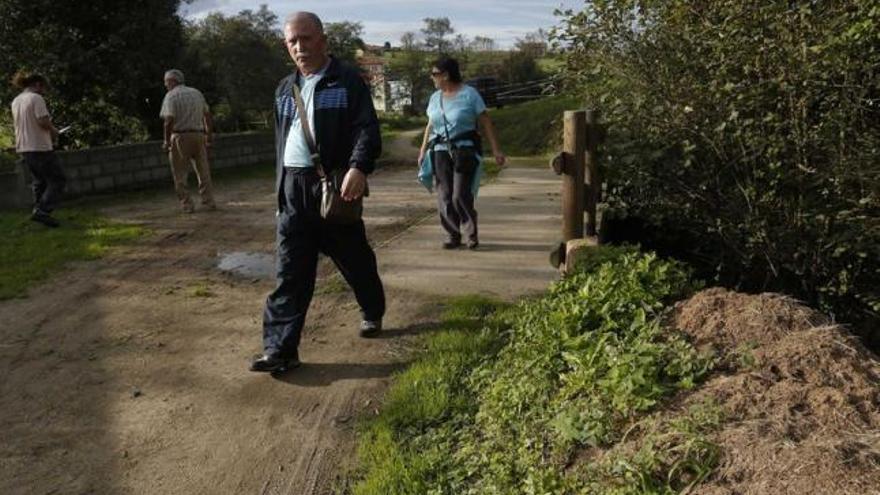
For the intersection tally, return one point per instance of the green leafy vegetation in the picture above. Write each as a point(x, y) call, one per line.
point(219, 47)
point(105, 64)
point(531, 128)
point(745, 136)
point(7, 141)
point(7, 138)
point(7, 161)
point(30, 252)
point(506, 397)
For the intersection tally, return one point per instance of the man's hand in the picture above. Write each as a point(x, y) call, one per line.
point(165, 146)
point(353, 184)
point(500, 159)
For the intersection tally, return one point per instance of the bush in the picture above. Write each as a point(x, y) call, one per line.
point(504, 406)
point(531, 128)
point(97, 122)
point(749, 132)
point(7, 161)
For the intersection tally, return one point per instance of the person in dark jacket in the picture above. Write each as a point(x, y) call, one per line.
point(340, 113)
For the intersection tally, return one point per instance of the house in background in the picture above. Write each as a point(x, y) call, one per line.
point(388, 95)
point(376, 74)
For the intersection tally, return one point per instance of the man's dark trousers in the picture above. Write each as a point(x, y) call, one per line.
point(48, 179)
point(302, 234)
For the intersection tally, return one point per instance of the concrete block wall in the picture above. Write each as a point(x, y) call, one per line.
point(131, 166)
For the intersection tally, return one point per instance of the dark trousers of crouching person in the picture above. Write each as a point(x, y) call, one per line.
point(455, 198)
point(48, 179)
point(302, 235)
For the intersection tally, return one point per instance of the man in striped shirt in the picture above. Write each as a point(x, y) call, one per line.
point(188, 134)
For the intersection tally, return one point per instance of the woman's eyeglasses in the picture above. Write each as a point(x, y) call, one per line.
point(436, 72)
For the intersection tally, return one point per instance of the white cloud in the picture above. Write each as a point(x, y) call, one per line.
point(387, 20)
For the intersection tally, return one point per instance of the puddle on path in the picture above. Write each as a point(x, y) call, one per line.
point(249, 265)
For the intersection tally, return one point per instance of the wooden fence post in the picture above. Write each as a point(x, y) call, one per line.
point(574, 145)
point(593, 185)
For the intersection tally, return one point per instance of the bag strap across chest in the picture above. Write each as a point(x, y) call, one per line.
point(307, 130)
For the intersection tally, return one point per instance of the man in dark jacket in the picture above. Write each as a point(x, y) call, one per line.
point(340, 113)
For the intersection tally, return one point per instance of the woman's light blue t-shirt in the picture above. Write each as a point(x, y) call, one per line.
point(462, 111)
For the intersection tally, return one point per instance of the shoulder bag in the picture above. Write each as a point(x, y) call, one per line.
point(334, 209)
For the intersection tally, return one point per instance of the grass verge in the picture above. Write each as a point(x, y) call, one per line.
point(512, 399)
point(31, 252)
point(533, 127)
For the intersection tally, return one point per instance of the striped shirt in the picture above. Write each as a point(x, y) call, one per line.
point(187, 106)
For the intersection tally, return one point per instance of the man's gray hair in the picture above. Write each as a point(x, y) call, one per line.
point(308, 15)
point(174, 74)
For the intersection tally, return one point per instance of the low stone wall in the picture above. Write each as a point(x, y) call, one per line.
point(131, 166)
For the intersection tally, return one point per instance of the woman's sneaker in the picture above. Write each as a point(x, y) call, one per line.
point(451, 244)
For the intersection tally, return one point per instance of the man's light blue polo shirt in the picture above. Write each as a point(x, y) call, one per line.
point(296, 149)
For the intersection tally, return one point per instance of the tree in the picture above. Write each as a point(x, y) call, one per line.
point(482, 44)
point(533, 44)
point(436, 29)
point(237, 62)
point(105, 62)
point(408, 40)
point(747, 135)
point(344, 39)
point(410, 66)
point(460, 44)
point(520, 67)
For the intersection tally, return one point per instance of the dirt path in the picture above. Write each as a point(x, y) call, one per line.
point(128, 374)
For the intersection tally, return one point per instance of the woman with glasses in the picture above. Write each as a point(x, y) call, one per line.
point(451, 151)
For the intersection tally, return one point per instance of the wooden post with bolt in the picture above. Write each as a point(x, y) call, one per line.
point(573, 148)
point(570, 164)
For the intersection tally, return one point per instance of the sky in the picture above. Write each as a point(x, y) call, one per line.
point(386, 20)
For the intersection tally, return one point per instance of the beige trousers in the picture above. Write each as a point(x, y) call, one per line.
point(188, 150)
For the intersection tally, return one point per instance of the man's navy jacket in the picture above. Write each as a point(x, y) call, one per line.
point(346, 127)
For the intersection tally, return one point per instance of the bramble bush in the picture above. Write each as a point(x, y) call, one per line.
point(747, 135)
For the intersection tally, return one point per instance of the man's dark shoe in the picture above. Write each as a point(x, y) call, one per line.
point(44, 218)
point(370, 328)
point(274, 364)
point(473, 244)
point(451, 244)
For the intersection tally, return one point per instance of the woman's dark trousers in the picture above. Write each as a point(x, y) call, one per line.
point(455, 198)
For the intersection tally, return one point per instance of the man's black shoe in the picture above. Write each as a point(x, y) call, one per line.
point(474, 244)
point(370, 328)
point(274, 364)
point(44, 218)
point(451, 244)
